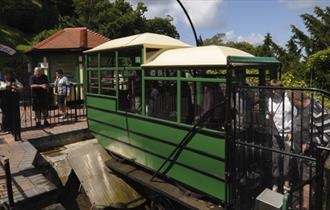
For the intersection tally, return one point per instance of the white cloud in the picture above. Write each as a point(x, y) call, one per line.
point(204, 13)
point(253, 38)
point(301, 4)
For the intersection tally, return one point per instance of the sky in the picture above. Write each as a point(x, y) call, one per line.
point(240, 20)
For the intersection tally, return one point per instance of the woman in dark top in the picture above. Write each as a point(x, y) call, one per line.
point(39, 88)
point(10, 87)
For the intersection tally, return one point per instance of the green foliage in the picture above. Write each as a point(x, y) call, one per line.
point(217, 39)
point(162, 26)
point(318, 66)
point(289, 80)
point(318, 27)
point(43, 35)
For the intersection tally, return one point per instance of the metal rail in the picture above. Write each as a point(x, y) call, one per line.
point(6, 166)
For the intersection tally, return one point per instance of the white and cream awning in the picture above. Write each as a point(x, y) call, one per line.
point(150, 40)
point(196, 56)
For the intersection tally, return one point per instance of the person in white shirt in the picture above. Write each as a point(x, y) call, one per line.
point(10, 88)
point(280, 112)
point(62, 90)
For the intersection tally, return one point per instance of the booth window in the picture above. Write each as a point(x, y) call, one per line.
point(203, 100)
point(130, 85)
point(160, 99)
point(93, 81)
point(108, 83)
point(130, 58)
point(92, 61)
point(108, 59)
point(160, 73)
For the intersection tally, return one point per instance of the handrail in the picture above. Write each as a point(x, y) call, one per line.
point(327, 93)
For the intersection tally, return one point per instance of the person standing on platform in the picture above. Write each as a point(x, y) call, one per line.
point(62, 90)
point(10, 104)
point(39, 88)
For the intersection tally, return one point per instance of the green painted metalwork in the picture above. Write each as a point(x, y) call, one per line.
point(178, 97)
point(253, 60)
point(117, 75)
point(102, 103)
point(148, 140)
point(212, 145)
point(99, 72)
point(143, 101)
point(285, 205)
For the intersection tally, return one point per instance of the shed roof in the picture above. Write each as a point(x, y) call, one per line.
point(71, 38)
point(146, 39)
point(196, 56)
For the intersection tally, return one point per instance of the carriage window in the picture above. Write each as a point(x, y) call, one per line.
point(202, 99)
point(108, 83)
point(93, 81)
point(130, 91)
point(130, 58)
point(92, 61)
point(160, 73)
point(206, 73)
point(161, 99)
point(108, 59)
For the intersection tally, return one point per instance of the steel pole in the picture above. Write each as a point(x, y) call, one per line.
point(198, 42)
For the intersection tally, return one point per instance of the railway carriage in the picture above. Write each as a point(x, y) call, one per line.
point(176, 110)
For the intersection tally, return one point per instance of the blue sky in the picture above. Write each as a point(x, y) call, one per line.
point(241, 20)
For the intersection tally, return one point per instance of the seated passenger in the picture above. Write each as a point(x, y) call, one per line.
point(153, 98)
point(213, 97)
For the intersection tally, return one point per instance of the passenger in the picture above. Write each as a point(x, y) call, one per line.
point(62, 90)
point(153, 99)
point(10, 104)
point(134, 78)
point(280, 113)
point(39, 88)
point(303, 138)
point(213, 96)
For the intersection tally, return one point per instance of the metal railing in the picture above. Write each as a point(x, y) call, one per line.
point(280, 140)
point(74, 102)
point(10, 205)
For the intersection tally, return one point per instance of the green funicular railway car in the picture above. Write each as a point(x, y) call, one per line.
point(165, 106)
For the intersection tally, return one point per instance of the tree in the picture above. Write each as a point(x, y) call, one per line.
point(162, 26)
point(318, 27)
point(118, 18)
point(217, 39)
point(245, 46)
point(318, 68)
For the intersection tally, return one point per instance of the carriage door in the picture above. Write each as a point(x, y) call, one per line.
point(270, 127)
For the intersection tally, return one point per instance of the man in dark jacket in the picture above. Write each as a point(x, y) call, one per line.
point(39, 88)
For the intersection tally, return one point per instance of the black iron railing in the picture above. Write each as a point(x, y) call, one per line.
point(74, 102)
point(280, 141)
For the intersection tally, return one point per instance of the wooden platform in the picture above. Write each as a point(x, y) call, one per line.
point(158, 185)
point(29, 183)
point(103, 188)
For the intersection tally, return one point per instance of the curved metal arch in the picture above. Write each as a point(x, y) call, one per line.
point(199, 42)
